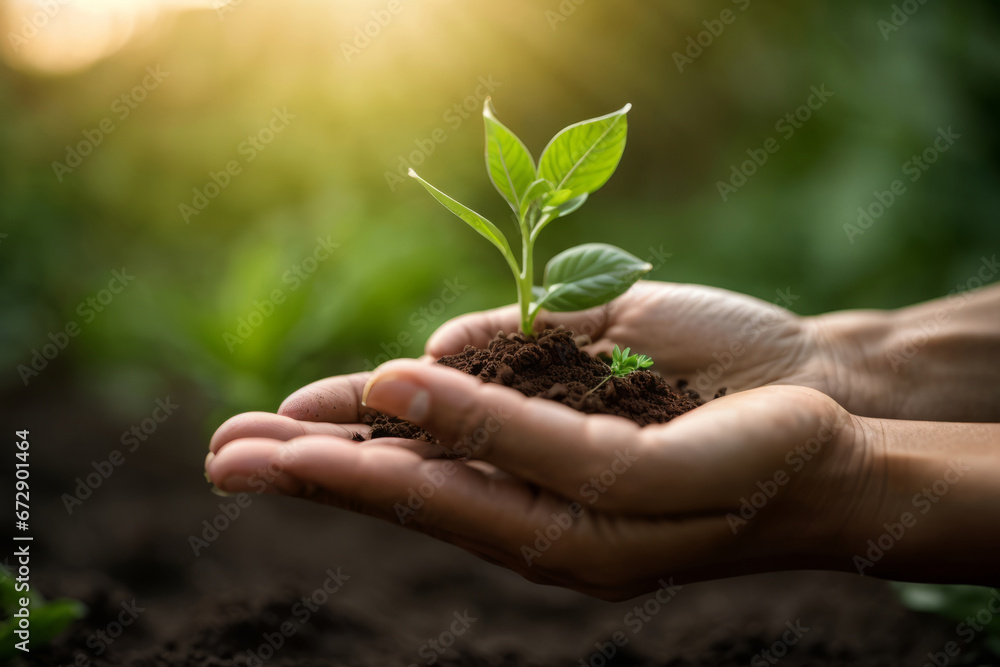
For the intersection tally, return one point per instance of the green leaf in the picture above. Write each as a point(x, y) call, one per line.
point(470, 217)
point(589, 275)
point(557, 198)
point(583, 156)
point(571, 205)
point(48, 619)
point(536, 191)
point(510, 165)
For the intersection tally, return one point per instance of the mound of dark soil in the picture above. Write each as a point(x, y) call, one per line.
point(553, 366)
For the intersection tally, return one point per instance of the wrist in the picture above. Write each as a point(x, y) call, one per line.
point(931, 507)
point(851, 360)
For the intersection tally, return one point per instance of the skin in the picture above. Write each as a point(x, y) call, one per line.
point(812, 460)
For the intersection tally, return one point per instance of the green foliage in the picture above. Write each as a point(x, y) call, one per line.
point(337, 170)
point(578, 161)
point(48, 618)
point(622, 363)
point(959, 603)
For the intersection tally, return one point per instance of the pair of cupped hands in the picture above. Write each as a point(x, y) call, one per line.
point(782, 472)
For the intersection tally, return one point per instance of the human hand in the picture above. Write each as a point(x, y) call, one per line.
point(650, 503)
point(712, 338)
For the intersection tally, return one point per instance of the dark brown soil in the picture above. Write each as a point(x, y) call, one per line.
point(554, 367)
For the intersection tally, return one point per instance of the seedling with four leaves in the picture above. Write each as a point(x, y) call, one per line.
point(575, 163)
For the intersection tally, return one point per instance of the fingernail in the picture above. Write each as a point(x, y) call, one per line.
point(401, 398)
point(208, 459)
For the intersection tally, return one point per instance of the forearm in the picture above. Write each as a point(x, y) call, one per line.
point(932, 512)
point(938, 360)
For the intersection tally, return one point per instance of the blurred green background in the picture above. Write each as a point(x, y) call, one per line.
point(352, 108)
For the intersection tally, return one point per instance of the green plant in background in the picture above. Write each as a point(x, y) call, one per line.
point(47, 618)
point(971, 606)
point(576, 162)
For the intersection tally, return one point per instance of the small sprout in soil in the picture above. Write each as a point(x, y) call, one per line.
point(48, 618)
point(576, 162)
point(622, 364)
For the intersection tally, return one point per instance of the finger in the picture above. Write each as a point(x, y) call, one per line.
point(278, 427)
point(336, 399)
point(503, 521)
point(426, 450)
point(540, 441)
point(478, 329)
point(439, 497)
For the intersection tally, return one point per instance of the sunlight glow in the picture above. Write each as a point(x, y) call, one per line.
point(62, 36)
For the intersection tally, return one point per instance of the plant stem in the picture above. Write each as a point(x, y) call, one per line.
point(599, 385)
point(526, 279)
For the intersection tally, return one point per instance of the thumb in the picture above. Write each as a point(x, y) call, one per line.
point(538, 440)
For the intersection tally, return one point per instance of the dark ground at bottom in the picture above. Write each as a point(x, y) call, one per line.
point(130, 541)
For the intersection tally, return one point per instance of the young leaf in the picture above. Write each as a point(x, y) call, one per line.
point(536, 191)
point(557, 198)
point(582, 157)
point(569, 206)
point(510, 165)
point(470, 217)
point(589, 275)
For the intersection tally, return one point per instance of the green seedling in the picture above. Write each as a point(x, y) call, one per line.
point(46, 618)
point(575, 163)
point(623, 363)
